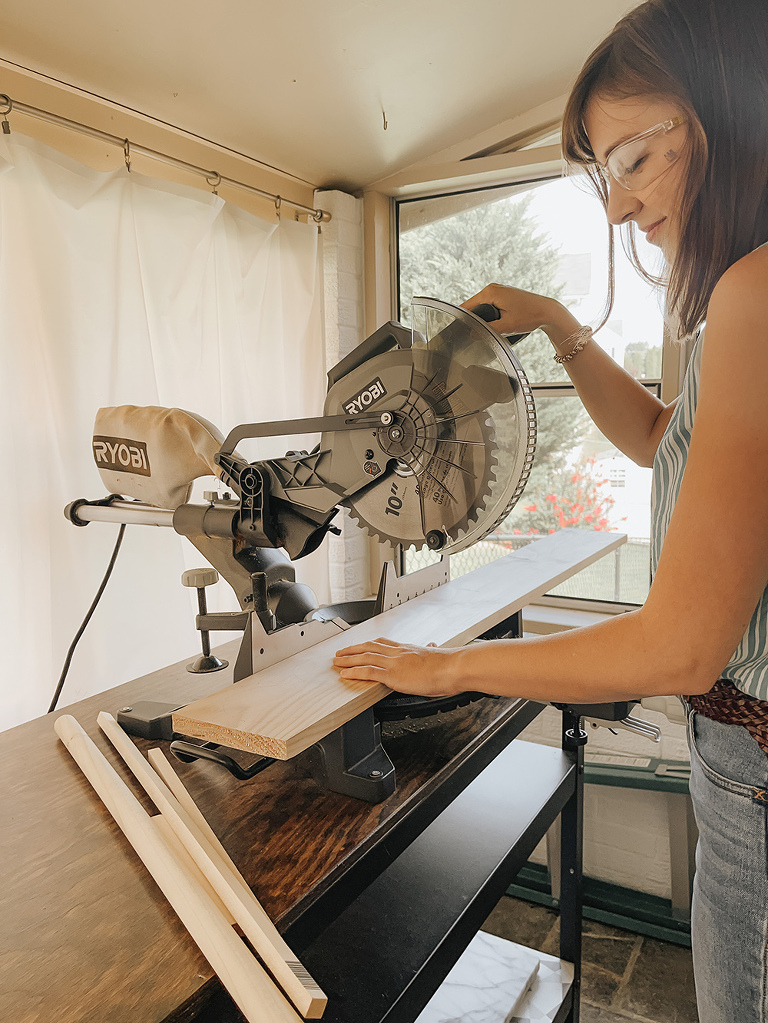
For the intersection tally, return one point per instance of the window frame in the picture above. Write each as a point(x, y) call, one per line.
point(669, 383)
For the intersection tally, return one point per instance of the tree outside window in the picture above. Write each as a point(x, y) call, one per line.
point(576, 474)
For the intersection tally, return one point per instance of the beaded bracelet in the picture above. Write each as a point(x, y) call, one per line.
point(581, 337)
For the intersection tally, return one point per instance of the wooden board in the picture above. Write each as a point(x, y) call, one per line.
point(287, 707)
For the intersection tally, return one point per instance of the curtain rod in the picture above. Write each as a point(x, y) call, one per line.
point(213, 177)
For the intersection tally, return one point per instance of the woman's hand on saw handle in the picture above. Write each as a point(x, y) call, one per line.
point(523, 311)
point(623, 410)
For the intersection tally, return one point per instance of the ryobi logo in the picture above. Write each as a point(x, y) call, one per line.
point(120, 454)
point(363, 399)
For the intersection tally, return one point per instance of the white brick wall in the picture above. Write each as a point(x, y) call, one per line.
point(343, 298)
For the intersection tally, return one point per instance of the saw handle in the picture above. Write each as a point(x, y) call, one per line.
point(489, 313)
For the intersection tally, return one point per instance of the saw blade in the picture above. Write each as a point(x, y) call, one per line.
point(455, 457)
point(438, 489)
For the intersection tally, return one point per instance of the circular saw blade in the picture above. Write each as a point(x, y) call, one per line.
point(460, 448)
point(485, 374)
point(439, 484)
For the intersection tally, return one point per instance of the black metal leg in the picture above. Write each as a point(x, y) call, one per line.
point(571, 865)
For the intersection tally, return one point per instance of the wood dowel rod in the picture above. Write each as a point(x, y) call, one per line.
point(187, 864)
point(161, 764)
point(164, 768)
point(295, 980)
point(259, 999)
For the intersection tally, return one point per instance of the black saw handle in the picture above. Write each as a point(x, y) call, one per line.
point(488, 312)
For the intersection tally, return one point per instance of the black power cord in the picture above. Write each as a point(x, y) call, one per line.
point(81, 630)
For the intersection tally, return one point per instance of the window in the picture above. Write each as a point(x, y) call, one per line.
point(549, 237)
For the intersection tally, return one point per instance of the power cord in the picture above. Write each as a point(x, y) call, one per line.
point(81, 630)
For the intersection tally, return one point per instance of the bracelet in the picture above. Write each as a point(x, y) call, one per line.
point(581, 337)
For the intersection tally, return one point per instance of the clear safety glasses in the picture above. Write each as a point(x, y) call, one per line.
point(639, 161)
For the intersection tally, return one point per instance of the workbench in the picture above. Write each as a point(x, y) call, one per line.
point(377, 900)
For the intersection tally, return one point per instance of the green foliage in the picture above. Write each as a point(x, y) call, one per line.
point(455, 258)
point(642, 360)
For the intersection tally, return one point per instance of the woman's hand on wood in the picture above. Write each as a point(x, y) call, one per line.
point(416, 670)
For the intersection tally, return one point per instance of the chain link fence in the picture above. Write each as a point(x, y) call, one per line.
point(623, 576)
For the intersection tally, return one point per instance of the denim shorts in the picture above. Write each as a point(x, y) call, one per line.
point(729, 915)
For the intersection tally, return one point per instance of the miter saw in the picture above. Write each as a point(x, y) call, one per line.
point(427, 438)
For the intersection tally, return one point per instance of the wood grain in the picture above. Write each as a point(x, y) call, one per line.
point(86, 934)
point(287, 707)
point(162, 765)
point(224, 878)
point(255, 993)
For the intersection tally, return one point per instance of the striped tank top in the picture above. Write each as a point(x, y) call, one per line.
point(748, 667)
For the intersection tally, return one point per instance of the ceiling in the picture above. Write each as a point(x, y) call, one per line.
point(306, 85)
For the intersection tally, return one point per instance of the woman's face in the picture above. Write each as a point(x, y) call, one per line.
point(653, 207)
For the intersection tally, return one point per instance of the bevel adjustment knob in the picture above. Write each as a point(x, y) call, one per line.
point(199, 577)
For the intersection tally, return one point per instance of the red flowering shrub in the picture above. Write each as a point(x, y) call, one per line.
point(574, 498)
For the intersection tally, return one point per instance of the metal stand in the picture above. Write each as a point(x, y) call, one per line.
point(571, 860)
point(383, 960)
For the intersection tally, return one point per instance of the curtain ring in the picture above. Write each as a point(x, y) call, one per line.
point(214, 180)
point(278, 204)
point(8, 105)
point(127, 154)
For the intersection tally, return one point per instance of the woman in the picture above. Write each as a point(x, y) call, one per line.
point(669, 116)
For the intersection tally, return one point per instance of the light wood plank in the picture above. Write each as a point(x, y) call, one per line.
point(287, 707)
point(258, 997)
point(223, 877)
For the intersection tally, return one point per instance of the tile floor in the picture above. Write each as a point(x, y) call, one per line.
point(625, 977)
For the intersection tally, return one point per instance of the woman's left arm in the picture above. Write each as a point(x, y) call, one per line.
point(712, 569)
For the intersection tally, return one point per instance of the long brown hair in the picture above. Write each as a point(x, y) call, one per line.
point(710, 57)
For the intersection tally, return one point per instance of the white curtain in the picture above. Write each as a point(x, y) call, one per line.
point(117, 288)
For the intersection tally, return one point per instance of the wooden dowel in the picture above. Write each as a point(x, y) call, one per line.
point(223, 876)
point(161, 764)
point(187, 864)
point(258, 998)
point(164, 768)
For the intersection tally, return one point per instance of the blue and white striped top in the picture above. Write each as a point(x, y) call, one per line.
point(748, 668)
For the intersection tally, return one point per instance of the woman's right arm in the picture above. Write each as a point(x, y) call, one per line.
point(623, 410)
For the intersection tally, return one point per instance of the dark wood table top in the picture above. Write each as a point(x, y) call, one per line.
point(86, 935)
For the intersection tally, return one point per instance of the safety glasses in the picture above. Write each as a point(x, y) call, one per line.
point(639, 161)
